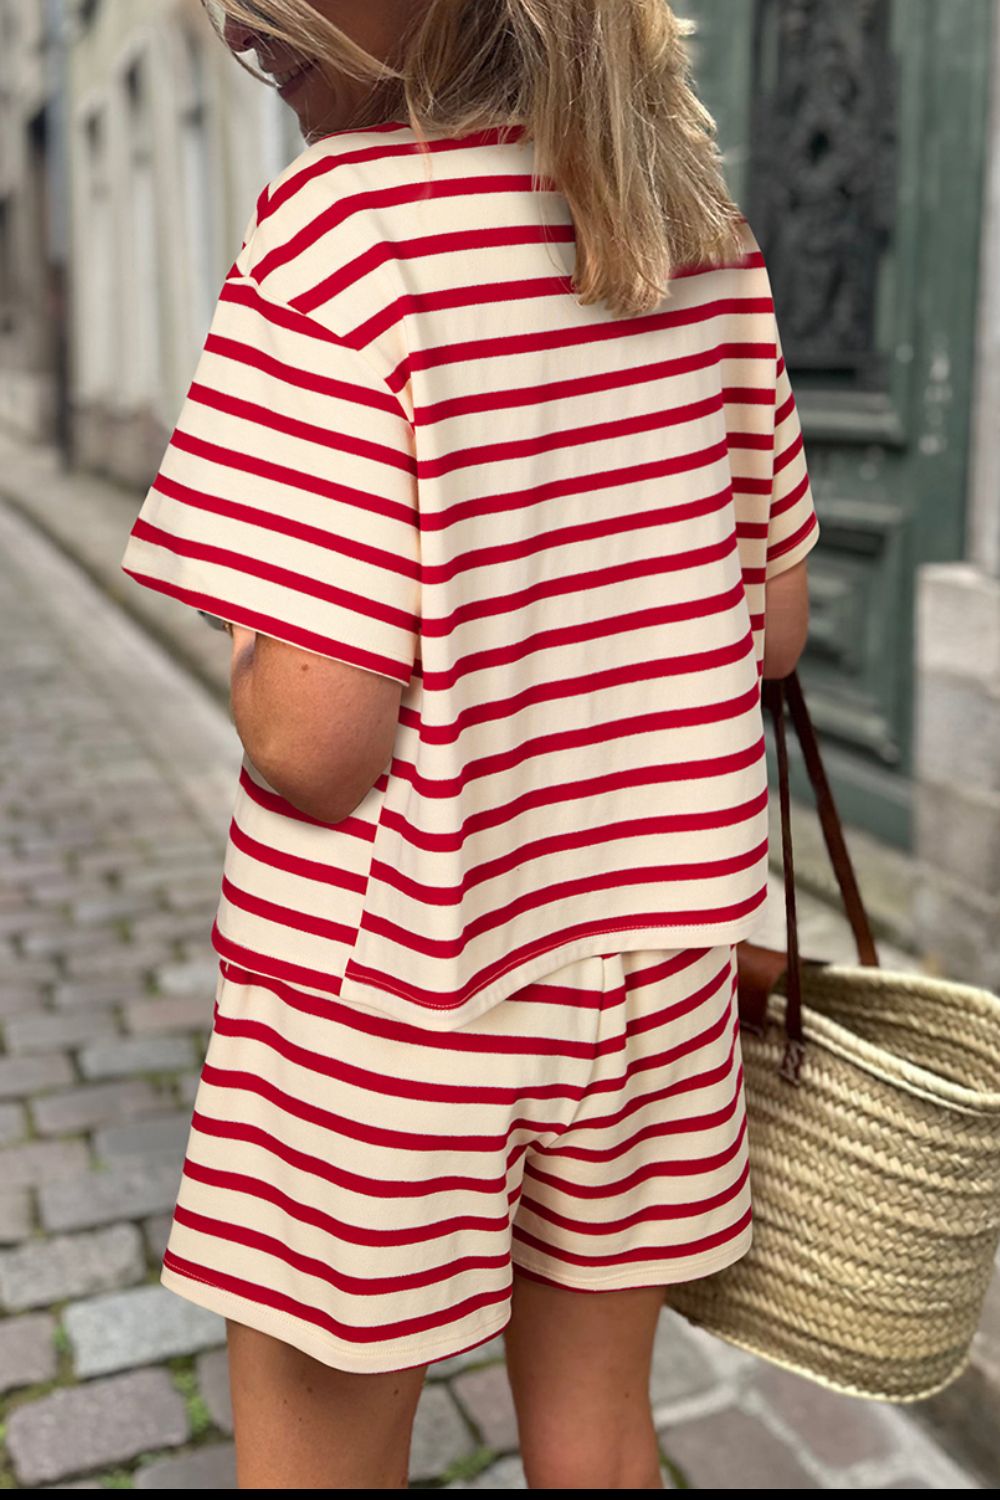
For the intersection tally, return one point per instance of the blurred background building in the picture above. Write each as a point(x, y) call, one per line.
point(133, 150)
point(862, 141)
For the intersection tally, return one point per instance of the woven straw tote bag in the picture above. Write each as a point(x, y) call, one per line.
point(873, 1103)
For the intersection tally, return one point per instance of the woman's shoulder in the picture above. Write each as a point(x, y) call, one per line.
point(314, 212)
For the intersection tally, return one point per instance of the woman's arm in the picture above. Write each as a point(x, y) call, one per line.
point(319, 731)
point(786, 619)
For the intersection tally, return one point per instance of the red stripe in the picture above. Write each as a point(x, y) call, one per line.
point(570, 336)
point(269, 420)
point(333, 874)
point(294, 864)
point(418, 247)
point(288, 578)
point(606, 733)
point(627, 1185)
point(660, 1122)
point(372, 1134)
point(325, 982)
point(377, 200)
point(297, 479)
point(639, 1253)
point(538, 992)
point(364, 1334)
point(294, 920)
point(287, 916)
point(476, 1093)
point(252, 357)
point(408, 990)
point(365, 1184)
point(453, 839)
point(554, 890)
point(807, 527)
point(641, 671)
point(567, 439)
point(567, 337)
point(282, 525)
point(594, 682)
point(322, 1269)
point(658, 1104)
point(384, 1137)
point(451, 514)
point(247, 293)
point(383, 150)
point(511, 398)
point(315, 979)
point(783, 412)
point(674, 1169)
point(450, 1142)
point(547, 539)
point(497, 1044)
point(542, 541)
point(447, 299)
point(448, 1146)
point(787, 502)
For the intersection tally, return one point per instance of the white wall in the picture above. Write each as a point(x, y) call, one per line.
point(154, 234)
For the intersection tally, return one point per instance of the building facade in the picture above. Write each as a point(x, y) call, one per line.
point(862, 141)
point(32, 194)
point(169, 144)
point(132, 150)
point(957, 824)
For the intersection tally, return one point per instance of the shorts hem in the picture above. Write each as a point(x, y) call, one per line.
point(725, 1256)
point(292, 1330)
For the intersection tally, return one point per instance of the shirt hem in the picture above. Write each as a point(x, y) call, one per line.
point(601, 941)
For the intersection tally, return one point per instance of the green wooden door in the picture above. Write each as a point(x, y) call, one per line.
point(853, 136)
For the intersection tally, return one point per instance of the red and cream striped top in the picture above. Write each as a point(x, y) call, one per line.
point(407, 446)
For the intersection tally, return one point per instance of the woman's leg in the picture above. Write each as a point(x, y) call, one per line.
point(301, 1425)
point(579, 1368)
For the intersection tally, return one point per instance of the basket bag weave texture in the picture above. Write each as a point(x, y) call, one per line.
point(873, 1102)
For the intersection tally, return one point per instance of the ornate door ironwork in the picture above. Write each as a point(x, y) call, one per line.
point(822, 177)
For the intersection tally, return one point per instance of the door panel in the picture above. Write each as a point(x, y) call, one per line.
point(854, 143)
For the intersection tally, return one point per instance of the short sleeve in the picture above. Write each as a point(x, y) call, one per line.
point(793, 526)
point(286, 500)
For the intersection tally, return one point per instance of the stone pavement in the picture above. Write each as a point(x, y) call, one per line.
point(118, 771)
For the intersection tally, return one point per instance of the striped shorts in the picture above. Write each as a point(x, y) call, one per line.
point(363, 1189)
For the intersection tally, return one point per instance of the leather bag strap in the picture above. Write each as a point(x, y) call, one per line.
point(833, 832)
point(773, 693)
point(773, 689)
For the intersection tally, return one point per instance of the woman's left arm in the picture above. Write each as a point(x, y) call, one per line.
point(319, 731)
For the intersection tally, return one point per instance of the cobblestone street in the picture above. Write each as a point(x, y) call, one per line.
point(118, 772)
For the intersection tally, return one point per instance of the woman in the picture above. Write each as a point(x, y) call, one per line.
point(492, 466)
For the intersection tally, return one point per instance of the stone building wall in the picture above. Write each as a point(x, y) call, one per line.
point(957, 784)
point(26, 346)
point(170, 142)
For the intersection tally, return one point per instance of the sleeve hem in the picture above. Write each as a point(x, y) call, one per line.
point(794, 555)
point(292, 635)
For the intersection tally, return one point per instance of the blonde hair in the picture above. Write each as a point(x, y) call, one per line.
point(603, 89)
